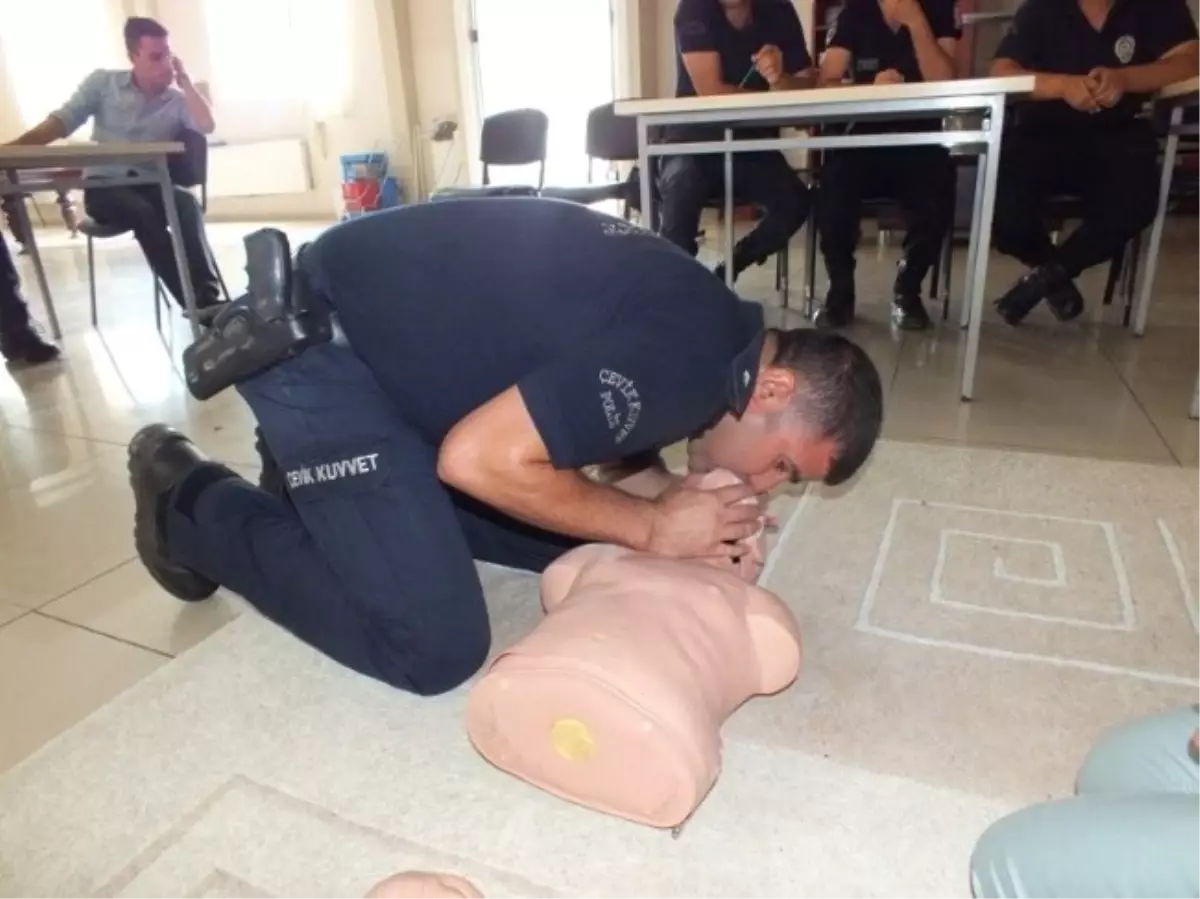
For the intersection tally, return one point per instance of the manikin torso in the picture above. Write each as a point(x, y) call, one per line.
point(616, 699)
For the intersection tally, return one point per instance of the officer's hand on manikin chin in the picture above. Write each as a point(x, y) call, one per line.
point(692, 523)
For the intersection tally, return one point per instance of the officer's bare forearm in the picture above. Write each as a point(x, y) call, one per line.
point(1153, 77)
point(935, 64)
point(1046, 85)
point(46, 131)
point(800, 81)
point(564, 502)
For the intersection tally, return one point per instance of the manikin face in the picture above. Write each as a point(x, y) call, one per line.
point(152, 67)
point(770, 444)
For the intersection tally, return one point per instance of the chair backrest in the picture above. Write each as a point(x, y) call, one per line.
point(611, 137)
point(516, 137)
point(190, 168)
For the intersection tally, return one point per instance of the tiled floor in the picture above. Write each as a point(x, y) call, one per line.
point(80, 621)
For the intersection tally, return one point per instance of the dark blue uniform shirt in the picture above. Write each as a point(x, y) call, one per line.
point(701, 27)
point(618, 341)
point(1055, 36)
point(874, 47)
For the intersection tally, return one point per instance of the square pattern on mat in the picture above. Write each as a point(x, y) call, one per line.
point(1055, 589)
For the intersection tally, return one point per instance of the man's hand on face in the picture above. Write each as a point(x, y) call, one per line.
point(1077, 93)
point(769, 62)
point(889, 76)
point(1107, 86)
point(692, 523)
point(903, 12)
point(181, 75)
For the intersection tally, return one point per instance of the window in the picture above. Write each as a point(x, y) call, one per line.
point(43, 61)
point(277, 65)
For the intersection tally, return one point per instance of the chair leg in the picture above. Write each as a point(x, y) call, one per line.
point(810, 269)
point(91, 259)
point(782, 264)
point(158, 306)
point(1135, 257)
point(221, 281)
point(947, 273)
point(1114, 276)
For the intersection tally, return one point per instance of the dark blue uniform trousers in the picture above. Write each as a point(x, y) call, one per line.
point(369, 557)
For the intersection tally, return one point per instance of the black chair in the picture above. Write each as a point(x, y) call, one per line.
point(610, 138)
point(187, 169)
point(513, 138)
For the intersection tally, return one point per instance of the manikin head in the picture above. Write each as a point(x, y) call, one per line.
point(814, 415)
point(149, 54)
point(749, 565)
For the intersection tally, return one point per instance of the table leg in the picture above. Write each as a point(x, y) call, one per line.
point(31, 247)
point(728, 229)
point(181, 262)
point(810, 266)
point(1142, 312)
point(990, 166)
point(647, 175)
point(973, 241)
point(1194, 409)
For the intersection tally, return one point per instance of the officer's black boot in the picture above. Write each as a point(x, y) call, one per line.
point(838, 308)
point(741, 261)
point(26, 346)
point(1035, 285)
point(1065, 301)
point(160, 458)
point(908, 312)
point(20, 341)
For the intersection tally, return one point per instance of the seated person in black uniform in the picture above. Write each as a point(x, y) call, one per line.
point(726, 47)
point(887, 42)
point(1096, 62)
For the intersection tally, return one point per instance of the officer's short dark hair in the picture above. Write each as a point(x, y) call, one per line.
point(138, 27)
point(839, 392)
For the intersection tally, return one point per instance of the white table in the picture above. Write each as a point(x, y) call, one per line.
point(985, 97)
point(1177, 98)
point(26, 170)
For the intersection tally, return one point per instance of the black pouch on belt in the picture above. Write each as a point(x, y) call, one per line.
point(278, 319)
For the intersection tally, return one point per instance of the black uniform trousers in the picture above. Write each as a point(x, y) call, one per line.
point(1114, 171)
point(688, 183)
point(920, 179)
point(140, 210)
point(368, 558)
point(14, 314)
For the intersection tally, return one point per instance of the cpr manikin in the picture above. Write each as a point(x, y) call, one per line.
point(616, 699)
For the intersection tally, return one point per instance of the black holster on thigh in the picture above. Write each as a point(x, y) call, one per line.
point(279, 318)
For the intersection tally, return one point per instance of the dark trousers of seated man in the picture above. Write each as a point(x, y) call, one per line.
point(14, 314)
point(688, 183)
point(140, 209)
point(919, 179)
point(1114, 171)
point(369, 556)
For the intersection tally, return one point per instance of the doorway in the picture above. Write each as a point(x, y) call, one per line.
point(554, 55)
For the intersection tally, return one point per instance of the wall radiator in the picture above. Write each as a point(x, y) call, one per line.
point(263, 168)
